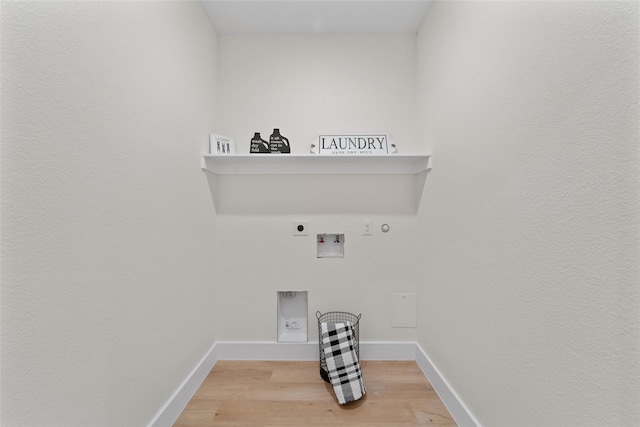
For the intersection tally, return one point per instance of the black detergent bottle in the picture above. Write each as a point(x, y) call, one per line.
point(278, 143)
point(259, 145)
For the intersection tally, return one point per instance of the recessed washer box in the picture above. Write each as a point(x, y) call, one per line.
point(330, 245)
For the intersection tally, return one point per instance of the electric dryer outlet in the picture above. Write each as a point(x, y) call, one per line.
point(300, 227)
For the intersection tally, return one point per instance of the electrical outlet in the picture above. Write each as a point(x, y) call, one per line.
point(367, 227)
point(300, 228)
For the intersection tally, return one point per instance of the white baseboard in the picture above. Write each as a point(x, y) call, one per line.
point(181, 397)
point(387, 351)
point(308, 351)
point(267, 351)
point(456, 407)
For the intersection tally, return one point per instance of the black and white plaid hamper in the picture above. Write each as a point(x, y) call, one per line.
point(343, 365)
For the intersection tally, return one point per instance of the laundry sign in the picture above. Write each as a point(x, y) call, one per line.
point(358, 145)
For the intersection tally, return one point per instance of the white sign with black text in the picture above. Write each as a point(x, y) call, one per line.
point(354, 145)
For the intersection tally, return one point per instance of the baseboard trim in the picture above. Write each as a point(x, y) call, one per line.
point(456, 407)
point(267, 351)
point(170, 412)
point(310, 351)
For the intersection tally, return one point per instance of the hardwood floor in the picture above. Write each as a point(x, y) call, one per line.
point(276, 393)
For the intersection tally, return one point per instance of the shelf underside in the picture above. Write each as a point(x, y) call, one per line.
point(290, 184)
point(289, 164)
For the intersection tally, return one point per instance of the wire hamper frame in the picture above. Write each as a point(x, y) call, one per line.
point(337, 317)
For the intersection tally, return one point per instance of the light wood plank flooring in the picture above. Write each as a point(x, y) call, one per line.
point(275, 393)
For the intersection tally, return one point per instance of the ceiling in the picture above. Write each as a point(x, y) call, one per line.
point(316, 16)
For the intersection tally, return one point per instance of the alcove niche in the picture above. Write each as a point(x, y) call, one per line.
point(308, 70)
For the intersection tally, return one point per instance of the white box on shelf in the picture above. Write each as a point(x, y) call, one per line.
point(220, 144)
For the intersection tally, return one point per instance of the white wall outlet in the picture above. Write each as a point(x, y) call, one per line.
point(300, 227)
point(367, 227)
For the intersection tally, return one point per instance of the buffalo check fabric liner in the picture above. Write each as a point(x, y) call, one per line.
point(343, 365)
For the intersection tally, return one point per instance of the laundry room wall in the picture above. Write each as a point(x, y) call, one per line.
point(307, 85)
point(108, 228)
point(529, 241)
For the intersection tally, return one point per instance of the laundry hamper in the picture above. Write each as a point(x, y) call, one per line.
point(337, 317)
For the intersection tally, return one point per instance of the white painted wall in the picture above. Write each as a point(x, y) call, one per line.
point(523, 253)
point(529, 255)
point(107, 222)
point(258, 256)
point(307, 85)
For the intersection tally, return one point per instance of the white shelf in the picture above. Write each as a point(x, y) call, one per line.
point(256, 184)
point(309, 164)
